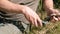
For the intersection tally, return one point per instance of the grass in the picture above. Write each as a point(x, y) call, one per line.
point(51, 28)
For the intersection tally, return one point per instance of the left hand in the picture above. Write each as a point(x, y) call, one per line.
point(55, 15)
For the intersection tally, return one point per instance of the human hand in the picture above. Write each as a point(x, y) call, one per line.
point(32, 16)
point(55, 15)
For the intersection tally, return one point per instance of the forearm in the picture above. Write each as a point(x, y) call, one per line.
point(48, 5)
point(7, 6)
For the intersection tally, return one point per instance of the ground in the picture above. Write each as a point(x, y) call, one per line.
point(51, 28)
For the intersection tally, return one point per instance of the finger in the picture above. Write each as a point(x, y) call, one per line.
point(36, 23)
point(31, 20)
point(59, 18)
point(53, 20)
point(56, 19)
point(39, 22)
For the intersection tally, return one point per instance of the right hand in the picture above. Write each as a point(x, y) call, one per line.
point(32, 16)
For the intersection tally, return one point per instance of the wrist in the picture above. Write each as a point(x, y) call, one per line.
point(49, 11)
point(52, 11)
point(23, 10)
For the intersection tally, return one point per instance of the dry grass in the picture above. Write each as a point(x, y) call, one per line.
point(51, 28)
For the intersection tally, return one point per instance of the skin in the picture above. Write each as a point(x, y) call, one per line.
point(30, 15)
point(48, 6)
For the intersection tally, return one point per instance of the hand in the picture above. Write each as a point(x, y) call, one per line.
point(55, 15)
point(32, 16)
